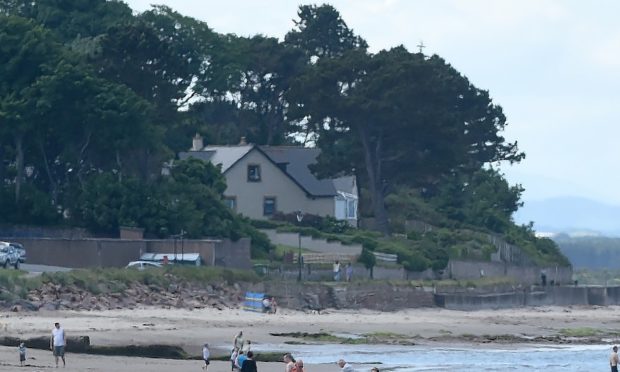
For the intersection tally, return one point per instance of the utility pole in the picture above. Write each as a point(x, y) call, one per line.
point(300, 217)
point(421, 47)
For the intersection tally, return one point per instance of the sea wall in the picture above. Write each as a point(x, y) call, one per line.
point(550, 296)
point(367, 295)
point(463, 270)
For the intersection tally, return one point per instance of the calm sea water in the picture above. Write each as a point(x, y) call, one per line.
point(587, 358)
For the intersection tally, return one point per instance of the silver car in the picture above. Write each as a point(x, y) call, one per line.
point(8, 256)
point(20, 250)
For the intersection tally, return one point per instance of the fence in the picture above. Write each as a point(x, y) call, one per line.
point(309, 258)
point(385, 257)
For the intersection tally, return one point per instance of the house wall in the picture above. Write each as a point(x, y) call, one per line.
point(289, 196)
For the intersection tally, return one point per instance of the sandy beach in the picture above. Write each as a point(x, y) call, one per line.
point(190, 329)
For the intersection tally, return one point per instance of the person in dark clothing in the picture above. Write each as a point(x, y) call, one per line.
point(249, 365)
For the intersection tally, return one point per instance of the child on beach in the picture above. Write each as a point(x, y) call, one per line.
point(22, 354)
point(205, 356)
point(233, 358)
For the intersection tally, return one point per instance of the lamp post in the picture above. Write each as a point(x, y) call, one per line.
point(300, 216)
point(182, 247)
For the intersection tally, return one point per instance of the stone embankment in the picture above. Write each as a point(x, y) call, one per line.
point(178, 295)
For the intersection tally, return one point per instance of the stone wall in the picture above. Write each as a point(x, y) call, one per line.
point(463, 270)
point(315, 245)
point(557, 296)
point(367, 295)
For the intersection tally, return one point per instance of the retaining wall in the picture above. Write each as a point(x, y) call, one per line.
point(315, 245)
point(375, 296)
point(463, 270)
point(558, 296)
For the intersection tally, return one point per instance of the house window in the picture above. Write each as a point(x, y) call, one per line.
point(269, 206)
point(253, 173)
point(231, 202)
point(352, 208)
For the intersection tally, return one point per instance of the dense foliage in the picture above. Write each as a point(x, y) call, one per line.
point(94, 99)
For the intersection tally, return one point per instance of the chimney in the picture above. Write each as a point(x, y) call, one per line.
point(242, 142)
point(197, 143)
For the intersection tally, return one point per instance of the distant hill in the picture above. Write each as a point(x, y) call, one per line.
point(590, 252)
point(571, 215)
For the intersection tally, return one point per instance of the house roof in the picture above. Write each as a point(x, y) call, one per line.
point(226, 156)
point(291, 160)
point(295, 162)
point(345, 184)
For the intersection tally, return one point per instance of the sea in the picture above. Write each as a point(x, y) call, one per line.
point(587, 358)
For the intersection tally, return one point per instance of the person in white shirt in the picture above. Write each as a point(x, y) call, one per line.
point(57, 343)
point(345, 367)
point(205, 356)
point(336, 271)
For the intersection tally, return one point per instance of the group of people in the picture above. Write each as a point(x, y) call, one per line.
point(57, 346)
point(241, 357)
point(270, 306)
point(348, 271)
point(292, 365)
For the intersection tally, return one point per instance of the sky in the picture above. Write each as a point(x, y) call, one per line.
point(553, 65)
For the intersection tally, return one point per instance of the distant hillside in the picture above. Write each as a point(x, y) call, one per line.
point(590, 252)
point(571, 214)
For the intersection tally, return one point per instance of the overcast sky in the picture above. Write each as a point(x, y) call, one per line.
point(553, 65)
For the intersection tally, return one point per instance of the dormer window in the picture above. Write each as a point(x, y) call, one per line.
point(254, 173)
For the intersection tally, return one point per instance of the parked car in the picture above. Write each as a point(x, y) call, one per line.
point(21, 250)
point(143, 265)
point(8, 256)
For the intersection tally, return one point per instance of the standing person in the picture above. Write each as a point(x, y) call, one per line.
point(299, 365)
point(240, 359)
point(238, 341)
point(613, 359)
point(336, 270)
point(290, 362)
point(22, 354)
point(250, 364)
point(57, 343)
point(349, 271)
point(205, 356)
point(233, 358)
point(345, 367)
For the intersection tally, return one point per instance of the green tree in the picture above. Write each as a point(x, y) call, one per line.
point(26, 53)
point(483, 198)
point(401, 117)
point(321, 32)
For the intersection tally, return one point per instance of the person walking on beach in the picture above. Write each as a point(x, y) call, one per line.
point(299, 365)
point(240, 359)
point(290, 362)
point(249, 365)
point(57, 343)
point(205, 356)
point(233, 359)
point(22, 354)
point(345, 367)
point(238, 341)
point(613, 359)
